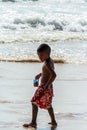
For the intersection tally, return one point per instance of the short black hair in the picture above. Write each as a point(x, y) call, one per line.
point(43, 48)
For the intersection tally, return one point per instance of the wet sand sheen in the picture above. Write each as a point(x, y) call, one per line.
point(69, 102)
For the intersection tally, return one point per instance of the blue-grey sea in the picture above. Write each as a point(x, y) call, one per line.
point(24, 24)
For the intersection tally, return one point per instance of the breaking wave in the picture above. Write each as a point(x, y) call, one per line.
point(46, 29)
point(67, 23)
point(42, 21)
point(27, 23)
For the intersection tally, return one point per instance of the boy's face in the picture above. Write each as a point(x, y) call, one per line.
point(43, 56)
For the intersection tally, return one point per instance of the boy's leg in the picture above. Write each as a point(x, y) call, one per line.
point(34, 113)
point(51, 113)
point(34, 117)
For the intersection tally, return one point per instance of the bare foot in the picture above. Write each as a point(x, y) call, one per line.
point(53, 123)
point(30, 125)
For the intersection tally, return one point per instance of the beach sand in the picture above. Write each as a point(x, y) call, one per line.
point(70, 96)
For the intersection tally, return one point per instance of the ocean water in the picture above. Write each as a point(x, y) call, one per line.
point(24, 24)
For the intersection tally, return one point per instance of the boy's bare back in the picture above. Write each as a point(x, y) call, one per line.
point(47, 70)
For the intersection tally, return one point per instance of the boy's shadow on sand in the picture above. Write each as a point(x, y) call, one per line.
point(47, 128)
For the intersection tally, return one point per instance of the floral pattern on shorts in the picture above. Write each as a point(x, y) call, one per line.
point(43, 99)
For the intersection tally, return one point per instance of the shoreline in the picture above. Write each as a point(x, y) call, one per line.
point(59, 60)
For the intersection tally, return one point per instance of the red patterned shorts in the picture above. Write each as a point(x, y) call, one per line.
point(43, 99)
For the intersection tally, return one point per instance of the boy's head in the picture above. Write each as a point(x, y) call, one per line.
point(43, 52)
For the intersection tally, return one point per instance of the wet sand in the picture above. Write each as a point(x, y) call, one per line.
point(16, 90)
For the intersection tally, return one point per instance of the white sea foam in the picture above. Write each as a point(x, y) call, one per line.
point(49, 21)
point(43, 16)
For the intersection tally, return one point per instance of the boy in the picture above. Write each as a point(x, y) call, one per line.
point(44, 93)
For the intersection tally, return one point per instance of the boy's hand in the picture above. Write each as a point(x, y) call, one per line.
point(38, 76)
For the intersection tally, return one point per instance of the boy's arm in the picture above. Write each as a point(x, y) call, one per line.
point(38, 76)
point(51, 79)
